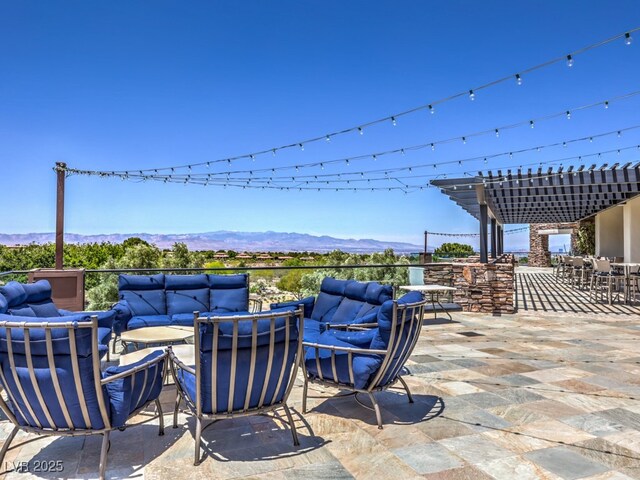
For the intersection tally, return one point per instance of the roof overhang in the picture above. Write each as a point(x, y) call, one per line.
point(551, 196)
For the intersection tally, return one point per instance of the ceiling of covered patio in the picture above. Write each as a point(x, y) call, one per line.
point(544, 196)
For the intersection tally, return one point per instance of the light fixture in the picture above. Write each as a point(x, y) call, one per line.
point(518, 79)
point(569, 61)
point(472, 96)
point(627, 38)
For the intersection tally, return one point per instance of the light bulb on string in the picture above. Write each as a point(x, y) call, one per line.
point(497, 133)
point(393, 121)
point(627, 38)
point(273, 152)
point(431, 109)
point(518, 79)
point(568, 114)
point(569, 61)
point(472, 96)
point(531, 124)
point(301, 146)
point(606, 104)
point(464, 140)
point(433, 147)
point(619, 133)
point(253, 157)
point(360, 131)
point(328, 139)
point(402, 151)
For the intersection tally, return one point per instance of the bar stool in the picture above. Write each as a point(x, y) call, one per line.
point(603, 278)
point(633, 284)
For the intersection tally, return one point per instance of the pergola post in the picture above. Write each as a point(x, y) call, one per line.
point(500, 239)
point(61, 175)
point(484, 256)
point(494, 240)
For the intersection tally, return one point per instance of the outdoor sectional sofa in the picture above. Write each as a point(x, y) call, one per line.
point(33, 300)
point(340, 302)
point(162, 300)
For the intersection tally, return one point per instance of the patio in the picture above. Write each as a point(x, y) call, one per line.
point(530, 395)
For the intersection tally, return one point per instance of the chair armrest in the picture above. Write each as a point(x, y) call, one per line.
point(365, 351)
point(123, 315)
point(117, 373)
point(308, 304)
point(176, 362)
point(105, 318)
point(351, 326)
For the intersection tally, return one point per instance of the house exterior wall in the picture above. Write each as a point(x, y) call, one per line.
point(610, 232)
point(631, 230)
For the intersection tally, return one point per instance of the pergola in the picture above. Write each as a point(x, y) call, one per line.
point(542, 196)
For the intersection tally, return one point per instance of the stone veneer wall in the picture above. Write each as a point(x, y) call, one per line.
point(539, 255)
point(481, 287)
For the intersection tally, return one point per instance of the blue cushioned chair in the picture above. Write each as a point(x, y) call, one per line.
point(244, 365)
point(367, 360)
point(34, 300)
point(340, 302)
point(50, 371)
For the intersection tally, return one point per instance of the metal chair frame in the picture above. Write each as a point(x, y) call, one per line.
point(264, 405)
point(98, 384)
point(602, 276)
point(399, 319)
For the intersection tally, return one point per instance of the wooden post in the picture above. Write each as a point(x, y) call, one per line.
point(494, 239)
point(61, 175)
point(484, 254)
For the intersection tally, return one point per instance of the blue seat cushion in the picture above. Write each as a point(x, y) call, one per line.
point(364, 365)
point(148, 321)
point(312, 330)
point(127, 396)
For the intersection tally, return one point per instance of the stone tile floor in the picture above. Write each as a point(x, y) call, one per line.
point(534, 395)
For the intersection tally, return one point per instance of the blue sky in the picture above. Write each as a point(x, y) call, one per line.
point(133, 85)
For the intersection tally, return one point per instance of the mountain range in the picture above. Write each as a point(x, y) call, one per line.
point(228, 240)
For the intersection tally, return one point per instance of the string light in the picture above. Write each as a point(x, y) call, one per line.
point(472, 96)
point(627, 38)
point(531, 123)
point(568, 115)
point(360, 131)
point(518, 79)
point(606, 104)
point(393, 121)
point(569, 61)
point(497, 133)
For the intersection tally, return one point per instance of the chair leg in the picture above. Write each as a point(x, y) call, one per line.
point(292, 425)
point(160, 417)
point(406, 387)
point(175, 410)
point(7, 443)
point(103, 454)
point(196, 460)
point(376, 407)
point(304, 394)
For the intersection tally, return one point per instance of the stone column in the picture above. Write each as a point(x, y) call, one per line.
point(539, 255)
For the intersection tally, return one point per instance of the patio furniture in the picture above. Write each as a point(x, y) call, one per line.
point(156, 336)
point(367, 361)
point(631, 272)
point(340, 302)
point(581, 273)
point(34, 300)
point(162, 300)
point(433, 292)
point(604, 279)
point(50, 371)
point(244, 365)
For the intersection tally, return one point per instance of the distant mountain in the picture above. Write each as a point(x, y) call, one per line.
point(226, 240)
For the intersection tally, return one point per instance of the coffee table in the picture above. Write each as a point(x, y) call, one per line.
point(156, 336)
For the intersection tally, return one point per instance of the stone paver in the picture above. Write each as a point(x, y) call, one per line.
point(538, 394)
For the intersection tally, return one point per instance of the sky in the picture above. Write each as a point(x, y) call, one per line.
point(142, 85)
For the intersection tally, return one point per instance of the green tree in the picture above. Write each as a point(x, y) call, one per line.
point(458, 250)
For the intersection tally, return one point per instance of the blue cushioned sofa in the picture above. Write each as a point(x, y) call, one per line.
point(340, 302)
point(161, 300)
point(33, 300)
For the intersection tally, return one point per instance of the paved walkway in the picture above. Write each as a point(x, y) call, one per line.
point(538, 290)
point(532, 395)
